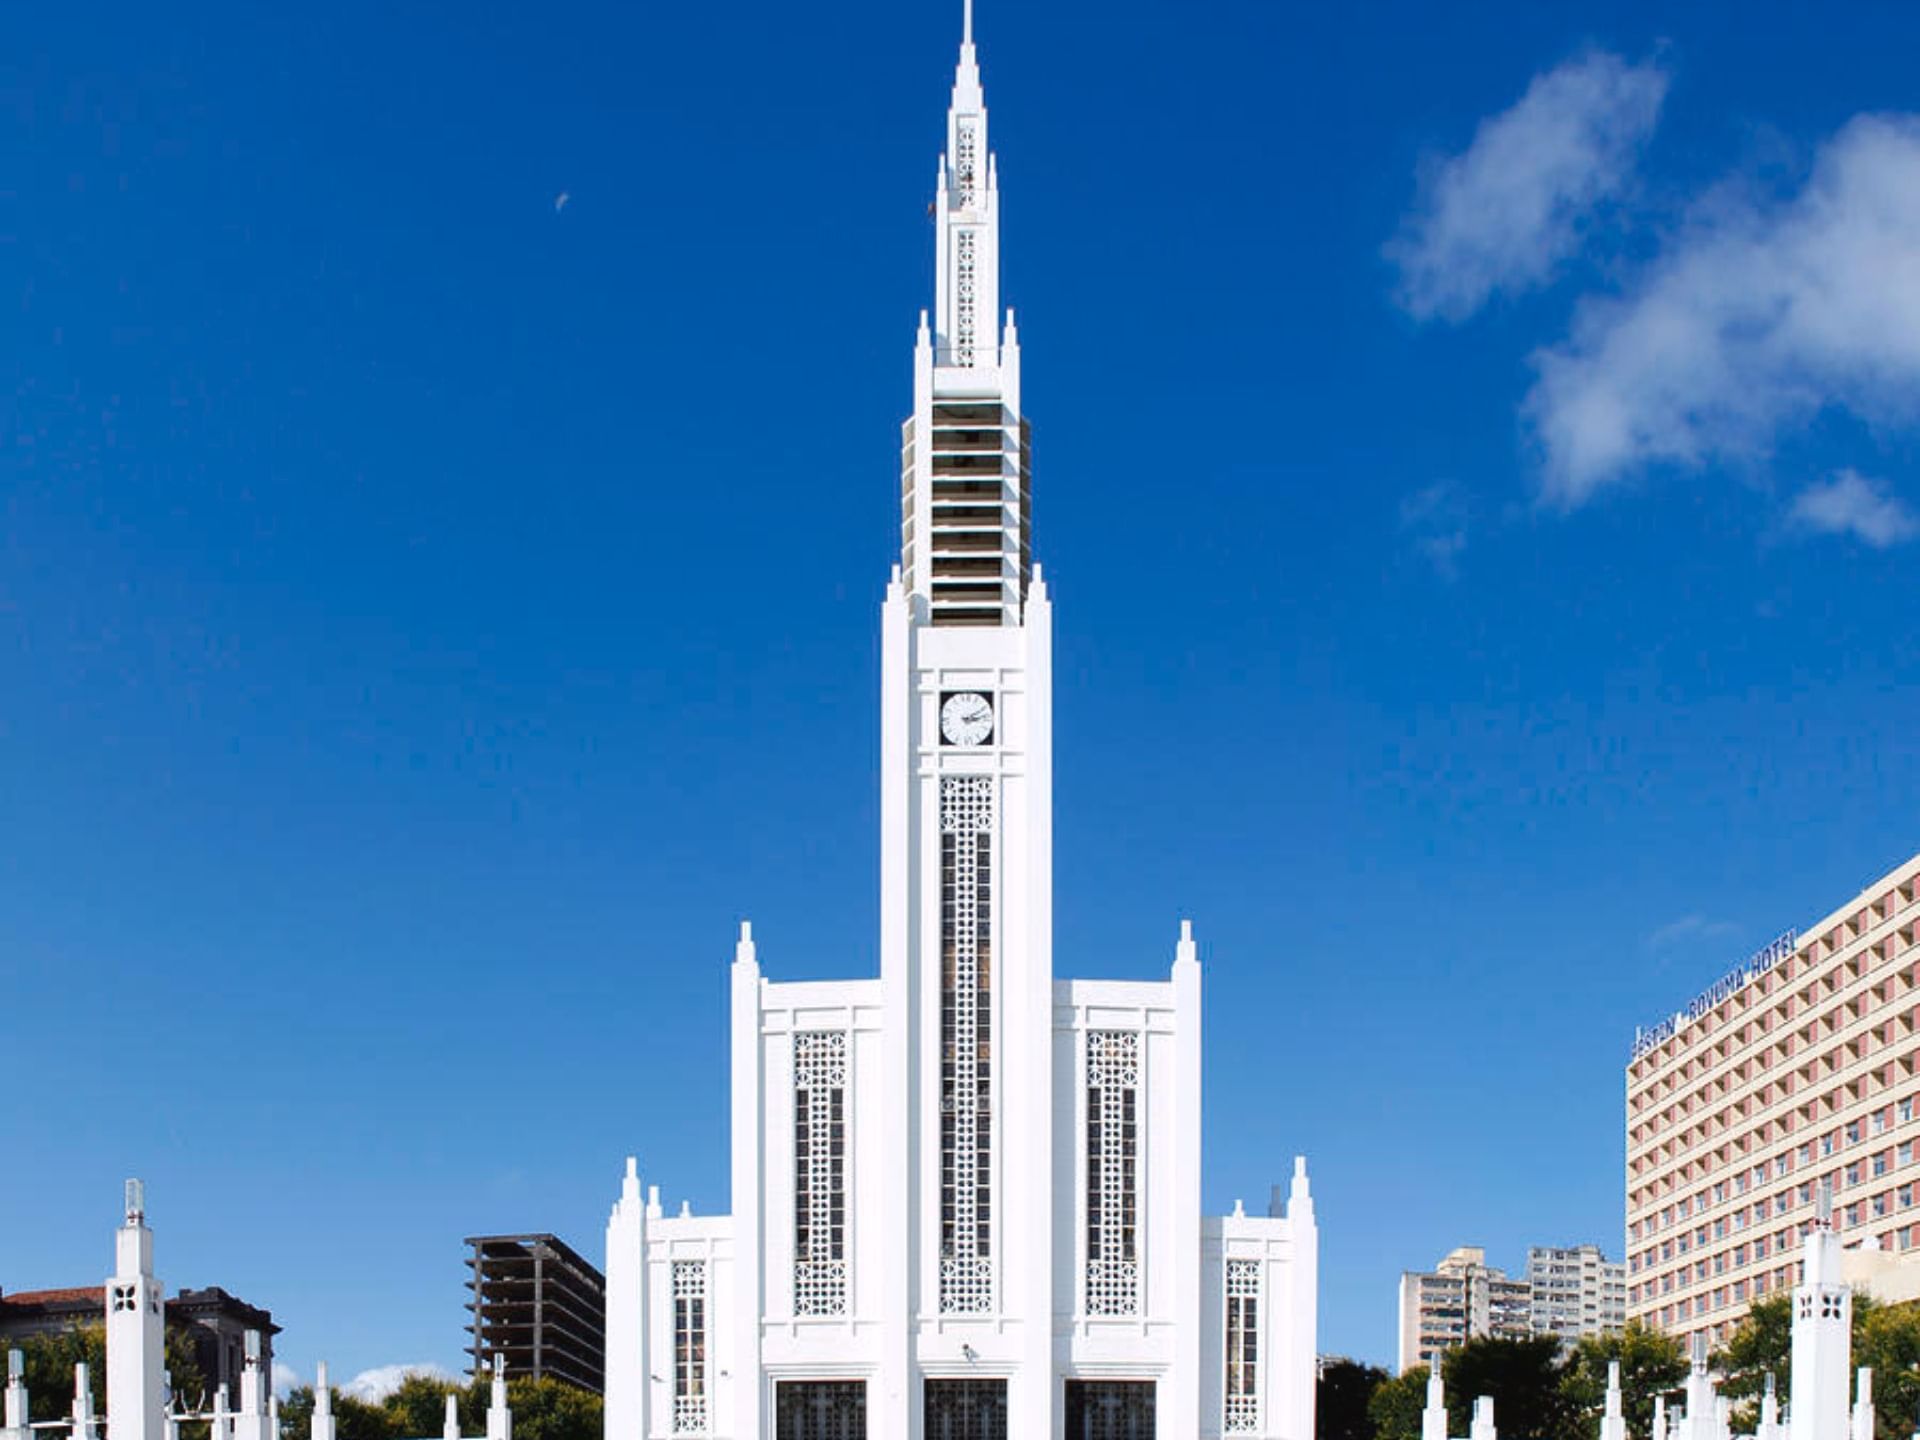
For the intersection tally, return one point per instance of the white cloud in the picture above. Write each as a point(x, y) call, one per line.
point(285, 1378)
point(378, 1383)
point(1851, 504)
point(1435, 519)
point(1503, 213)
point(1689, 928)
point(1756, 317)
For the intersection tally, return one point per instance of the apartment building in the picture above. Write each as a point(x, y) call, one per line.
point(1576, 1291)
point(1802, 1064)
point(1458, 1299)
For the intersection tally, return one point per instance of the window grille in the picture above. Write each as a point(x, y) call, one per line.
point(965, 265)
point(1113, 1087)
point(966, 1410)
point(966, 1071)
point(1110, 1410)
point(820, 1410)
point(689, 1347)
point(1243, 1347)
point(820, 1172)
point(966, 166)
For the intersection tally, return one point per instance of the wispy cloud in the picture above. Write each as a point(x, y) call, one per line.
point(378, 1383)
point(285, 1378)
point(1851, 504)
point(1688, 929)
point(1502, 214)
point(1434, 520)
point(1757, 316)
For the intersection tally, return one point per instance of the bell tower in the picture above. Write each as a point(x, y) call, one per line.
point(966, 843)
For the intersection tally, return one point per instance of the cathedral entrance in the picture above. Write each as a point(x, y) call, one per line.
point(820, 1410)
point(966, 1410)
point(1109, 1410)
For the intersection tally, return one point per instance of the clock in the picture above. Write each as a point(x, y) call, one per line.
point(966, 718)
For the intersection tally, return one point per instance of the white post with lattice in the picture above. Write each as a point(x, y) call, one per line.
point(136, 1330)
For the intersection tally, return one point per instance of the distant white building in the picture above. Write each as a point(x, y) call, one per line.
point(1460, 1298)
point(965, 1194)
point(1575, 1290)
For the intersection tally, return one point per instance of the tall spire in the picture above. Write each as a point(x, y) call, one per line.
point(964, 545)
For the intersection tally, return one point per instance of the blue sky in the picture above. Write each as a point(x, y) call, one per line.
point(1475, 464)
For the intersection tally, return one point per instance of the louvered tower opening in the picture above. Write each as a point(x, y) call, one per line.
point(976, 550)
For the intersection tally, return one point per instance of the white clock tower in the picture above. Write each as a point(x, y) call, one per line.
point(966, 1195)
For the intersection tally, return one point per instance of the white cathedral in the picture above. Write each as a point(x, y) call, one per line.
point(966, 1195)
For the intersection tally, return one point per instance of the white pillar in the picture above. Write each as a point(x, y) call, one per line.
point(322, 1405)
point(450, 1426)
point(1613, 1423)
point(1769, 1413)
point(1433, 1419)
point(222, 1425)
point(1296, 1367)
point(1702, 1419)
point(499, 1417)
point(1658, 1430)
point(136, 1330)
point(1863, 1406)
point(1483, 1427)
point(250, 1423)
point(273, 1416)
point(743, 1308)
point(17, 1409)
point(83, 1419)
point(627, 1388)
point(1822, 1334)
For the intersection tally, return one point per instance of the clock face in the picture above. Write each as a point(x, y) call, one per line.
point(966, 718)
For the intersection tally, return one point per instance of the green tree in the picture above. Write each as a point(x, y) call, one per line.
point(49, 1361)
point(1650, 1364)
point(549, 1409)
point(418, 1406)
point(1523, 1377)
point(1341, 1399)
point(1396, 1405)
point(356, 1419)
point(1887, 1337)
point(296, 1413)
point(353, 1419)
point(1760, 1344)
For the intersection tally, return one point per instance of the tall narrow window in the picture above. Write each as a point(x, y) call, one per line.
point(820, 1172)
point(689, 1347)
point(966, 1049)
point(1243, 1346)
point(1113, 1088)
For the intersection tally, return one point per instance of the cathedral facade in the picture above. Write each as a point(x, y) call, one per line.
point(965, 1194)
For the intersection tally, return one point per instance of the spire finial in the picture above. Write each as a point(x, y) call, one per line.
point(966, 22)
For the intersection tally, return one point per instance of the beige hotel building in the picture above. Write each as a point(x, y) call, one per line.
point(1801, 1065)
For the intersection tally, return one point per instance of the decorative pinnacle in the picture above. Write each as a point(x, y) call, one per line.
point(966, 23)
point(136, 1202)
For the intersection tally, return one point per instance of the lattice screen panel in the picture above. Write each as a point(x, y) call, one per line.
point(966, 1066)
point(820, 1172)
